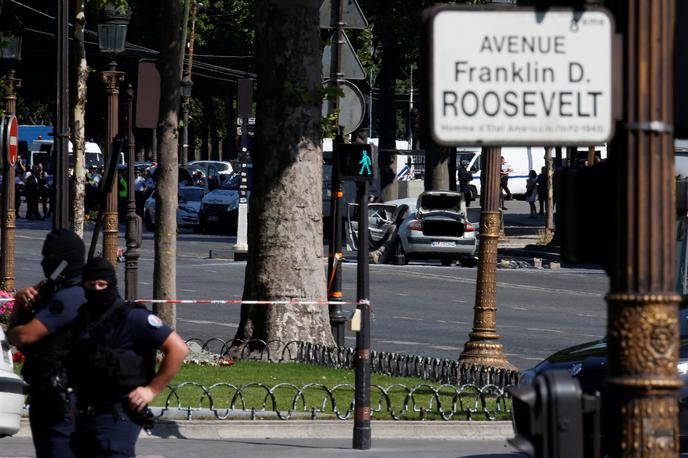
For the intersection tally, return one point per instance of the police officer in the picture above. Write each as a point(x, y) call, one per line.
point(112, 365)
point(41, 326)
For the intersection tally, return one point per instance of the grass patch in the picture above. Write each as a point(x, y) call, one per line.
point(301, 388)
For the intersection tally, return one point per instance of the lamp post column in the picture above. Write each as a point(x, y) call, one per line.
point(133, 234)
point(112, 79)
point(7, 260)
point(643, 327)
point(483, 346)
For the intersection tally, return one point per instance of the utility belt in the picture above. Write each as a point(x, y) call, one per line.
point(119, 410)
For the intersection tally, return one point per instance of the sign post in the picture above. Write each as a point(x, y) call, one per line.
point(245, 106)
point(529, 79)
point(10, 143)
point(355, 162)
point(339, 63)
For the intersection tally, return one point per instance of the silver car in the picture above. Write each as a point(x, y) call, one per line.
point(433, 226)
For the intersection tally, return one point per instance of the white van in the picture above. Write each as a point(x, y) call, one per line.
point(522, 160)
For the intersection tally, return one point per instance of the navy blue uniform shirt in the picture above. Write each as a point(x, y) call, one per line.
point(62, 308)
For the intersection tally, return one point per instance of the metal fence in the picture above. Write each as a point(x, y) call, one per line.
point(314, 401)
point(396, 364)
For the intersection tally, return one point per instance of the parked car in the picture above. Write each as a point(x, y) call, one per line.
point(220, 207)
point(433, 226)
point(187, 211)
point(588, 363)
point(11, 391)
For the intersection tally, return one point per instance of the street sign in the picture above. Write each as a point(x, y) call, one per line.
point(245, 102)
point(356, 161)
point(352, 69)
point(353, 17)
point(147, 95)
point(351, 106)
point(11, 138)
point(519, 76)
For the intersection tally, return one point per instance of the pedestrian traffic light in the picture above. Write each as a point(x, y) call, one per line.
point(355, 161)
point(554, 418)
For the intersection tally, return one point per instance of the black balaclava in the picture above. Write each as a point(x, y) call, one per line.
point(59, 245)
point(100, 269)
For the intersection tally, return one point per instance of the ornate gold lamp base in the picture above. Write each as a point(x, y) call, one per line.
point(486, 353)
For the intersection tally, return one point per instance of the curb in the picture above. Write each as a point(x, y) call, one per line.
point(322, 429)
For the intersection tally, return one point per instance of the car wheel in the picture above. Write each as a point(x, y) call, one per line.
point(446, 262)
point(147, 222)
point(468, 261)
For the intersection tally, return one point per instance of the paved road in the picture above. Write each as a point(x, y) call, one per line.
point(296, 448)
point(420, 309)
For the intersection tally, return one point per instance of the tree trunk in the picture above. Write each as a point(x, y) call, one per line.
point(285, 257)
point(78, 116)
point(436, 167)
point(388, 115)
point(164, 281)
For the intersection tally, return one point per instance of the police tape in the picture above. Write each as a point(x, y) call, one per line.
point(234, 302)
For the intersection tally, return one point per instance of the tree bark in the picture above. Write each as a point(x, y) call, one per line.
point(205, 129)
point(285, 257)
point(78, 117)
point(165, 267)
point(436, 167)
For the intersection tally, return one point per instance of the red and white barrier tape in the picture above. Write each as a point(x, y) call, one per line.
point(234, 301)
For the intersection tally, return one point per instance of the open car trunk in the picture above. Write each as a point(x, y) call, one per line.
point(443, 213)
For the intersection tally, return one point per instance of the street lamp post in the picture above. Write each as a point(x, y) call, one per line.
point(133, 234)
point(112, 31)
point(483, 346)
point(11, 25)
point(60, 199)
point(185, 89)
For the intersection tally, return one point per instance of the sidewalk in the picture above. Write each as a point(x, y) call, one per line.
point(263, 439)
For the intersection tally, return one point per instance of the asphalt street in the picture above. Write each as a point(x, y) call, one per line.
point(296, 448)
point(421, 309)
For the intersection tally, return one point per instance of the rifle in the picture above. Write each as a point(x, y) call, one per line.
point(45, 290)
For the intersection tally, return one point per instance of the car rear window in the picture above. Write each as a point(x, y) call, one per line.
point(432, 202)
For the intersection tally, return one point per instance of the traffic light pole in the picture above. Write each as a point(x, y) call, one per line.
point(643, 326)
point(362, 431)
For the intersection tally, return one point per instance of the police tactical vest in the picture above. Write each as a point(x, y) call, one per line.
point(97, 369)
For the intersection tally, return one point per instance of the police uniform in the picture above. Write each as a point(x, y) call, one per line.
point(43, 370)
point(113, 353)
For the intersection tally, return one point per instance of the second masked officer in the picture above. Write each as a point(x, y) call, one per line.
point(111, 365)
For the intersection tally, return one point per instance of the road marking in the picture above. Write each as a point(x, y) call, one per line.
point(214, 323)
point(450, 322)
point(402, 294)
point(188, 290)
point(401, 342)
point(398, 270)
point(408, 318)
point(516, 307)
point(211, 271)
point(587, 315)
point(440, 347)
point(145, 283)
point(459, 301)
point(544, 330)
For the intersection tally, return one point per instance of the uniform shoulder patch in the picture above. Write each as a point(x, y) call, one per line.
point(154, 321)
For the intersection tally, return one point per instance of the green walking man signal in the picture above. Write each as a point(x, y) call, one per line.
point(356, 161)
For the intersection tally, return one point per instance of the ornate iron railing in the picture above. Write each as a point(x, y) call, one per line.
point(399, 402)
point(439, 370)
